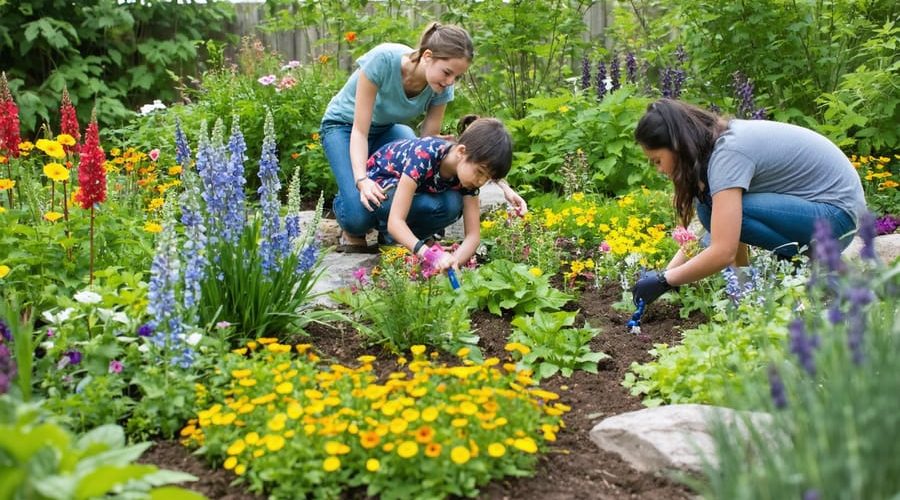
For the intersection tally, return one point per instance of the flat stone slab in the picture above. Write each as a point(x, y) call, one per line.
point(668, 437)
point(338, 273)
point(887, 248)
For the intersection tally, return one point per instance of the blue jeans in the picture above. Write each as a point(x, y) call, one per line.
point(349, 211)
point(430, 213)
point(784, 223)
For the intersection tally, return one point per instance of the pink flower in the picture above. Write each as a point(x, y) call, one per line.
point(361, 275)
point(221, 325)
point(290, 65)
point(115, 366)
point(91, 173)
point(604, 247)
point(683, 235)
point(153, 154)
point(267, 80)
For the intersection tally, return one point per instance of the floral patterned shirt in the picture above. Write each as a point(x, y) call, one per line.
point(420, 159)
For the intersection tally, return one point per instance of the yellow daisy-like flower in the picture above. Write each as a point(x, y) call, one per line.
point(4, 271)
point(175, 170)
point(53, 149)
point(53, 216)
point(408, 449)
point(240, 469)
point(369, 439)
point(496, 450)
point(252, 438)
point(336, 448)
point(536, 272)
point(460, 455)
point(153, 227)
point(156, 204)
point(284, 388)
point(7, 184)
point(331, 464)
point(372, 465)
point(429, 414)
point(417, 350)
point(518, 347)
point(230, 463)
point(564, 109)
point(526, 444)
point(56, 171)
point(236, 448)
point(65, 139)
point(275, 442)
point(26, 146)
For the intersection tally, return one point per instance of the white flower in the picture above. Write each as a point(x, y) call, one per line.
point(47, 345)
point(87, 297)
point(144, 348)
point(194, 339)
point(120, 317)
point(146, 109)
point(58, 318)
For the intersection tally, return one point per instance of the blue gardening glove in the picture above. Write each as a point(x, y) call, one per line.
point(649, 287)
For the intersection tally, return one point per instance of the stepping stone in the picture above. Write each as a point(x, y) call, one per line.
point(338, 273)
point(887, 248)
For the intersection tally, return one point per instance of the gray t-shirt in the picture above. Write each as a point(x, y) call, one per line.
point(382, 67)
point(761, 156)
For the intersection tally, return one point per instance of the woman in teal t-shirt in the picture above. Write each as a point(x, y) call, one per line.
point(393, 84)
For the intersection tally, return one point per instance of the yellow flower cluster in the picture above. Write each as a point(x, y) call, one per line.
point(877, 169)
point(284, 408)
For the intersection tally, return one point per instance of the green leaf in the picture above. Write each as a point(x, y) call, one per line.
point(103, 479)
point(547, 369)
point(174, 493)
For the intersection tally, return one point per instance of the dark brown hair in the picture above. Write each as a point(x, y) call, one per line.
point(487, 143)
point(690, 132)
point(445, 41)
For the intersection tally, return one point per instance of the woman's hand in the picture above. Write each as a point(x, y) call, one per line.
point(370, 194)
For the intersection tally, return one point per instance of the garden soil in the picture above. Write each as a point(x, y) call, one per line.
point(574, 467)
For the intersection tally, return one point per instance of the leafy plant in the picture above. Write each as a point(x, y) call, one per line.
point(399, 306)
point(553, 346)
point(502, 285)
point(42, 460)
point(523, 240)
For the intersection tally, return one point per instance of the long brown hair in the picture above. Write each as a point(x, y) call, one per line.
point(690, 132)
point(445, 41)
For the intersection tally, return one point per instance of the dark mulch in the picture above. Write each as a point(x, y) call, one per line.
point(575, 467)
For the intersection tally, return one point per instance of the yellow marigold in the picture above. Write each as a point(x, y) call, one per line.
point(408, 449)
point(369, 439)
point(155, 204)
point(463, 352)
point(331, 464)
point(417, 350)
point(26, 146)
point(536, 272)
point(276, 423)
point(53, 149)
point(525, 444)
point(410, 414)
point(240, 469)
point(372, 465)
point(518, 347)
point(294, 411)
point(230, 462)
point(56, 172)
point(460, 455)
point(468, 408)
point(398, 425)
point(429, 414)
point(7, 184)
point(336, 448)
point(236, 447)
point(274, 442)
point(284, 388)
point(65, 139)
point(424, 434)
point(175, 170)
point(496, 450)
point(53, 216)
point(153, 227)
point(251, 438)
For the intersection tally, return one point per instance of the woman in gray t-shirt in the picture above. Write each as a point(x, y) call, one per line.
point(759, 183)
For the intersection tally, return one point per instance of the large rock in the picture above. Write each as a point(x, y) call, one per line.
point(338, 273)
point(668, 437)
point(887, 248)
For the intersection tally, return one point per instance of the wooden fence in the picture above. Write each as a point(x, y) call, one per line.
point(301, 45)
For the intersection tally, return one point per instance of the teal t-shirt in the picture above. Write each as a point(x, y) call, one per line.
point(382, 67)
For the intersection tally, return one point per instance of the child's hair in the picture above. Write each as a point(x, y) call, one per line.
point(445, 41)
point(690, 132)
point(487, 143)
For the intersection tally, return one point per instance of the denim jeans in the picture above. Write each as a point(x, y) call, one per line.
point(783, 223)
point(430, 213)
point(349, 211)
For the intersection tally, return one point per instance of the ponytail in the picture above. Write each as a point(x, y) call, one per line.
point(445, 41)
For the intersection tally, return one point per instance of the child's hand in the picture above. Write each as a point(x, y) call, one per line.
point(437, 259)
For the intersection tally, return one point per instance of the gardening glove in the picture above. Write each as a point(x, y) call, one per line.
point(649, 287)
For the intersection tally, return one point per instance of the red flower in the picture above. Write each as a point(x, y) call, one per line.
point(350, 36)
point(91, 172)
point(9, 120)
point(69, 120)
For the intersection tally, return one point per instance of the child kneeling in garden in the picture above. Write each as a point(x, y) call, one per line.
point(448, 173)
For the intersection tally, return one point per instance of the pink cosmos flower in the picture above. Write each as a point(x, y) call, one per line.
point(267, 80)
point(604, 247)
point(153, 154)
point(115, 366)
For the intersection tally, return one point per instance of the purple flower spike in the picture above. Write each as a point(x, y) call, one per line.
point(4, 331)
point(827, 250)
point(585, 73)
point(867, 233)
point(803, 346)
point(776, 386)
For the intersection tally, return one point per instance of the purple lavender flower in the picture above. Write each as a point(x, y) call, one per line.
point(585, 73)
point(858, 297)
point(601, 80)
point(776, 388)
point(145, 330)
point(827, 251)
point(835, 315)
point(615, 72)
point(867, 234)
point(680, 55)
point(630, 68)
point(182, 149)
point(4, 331)
point(74, 356)
point(803, 346)
point(743, 90)
point(667, 83)
point(275, 244)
